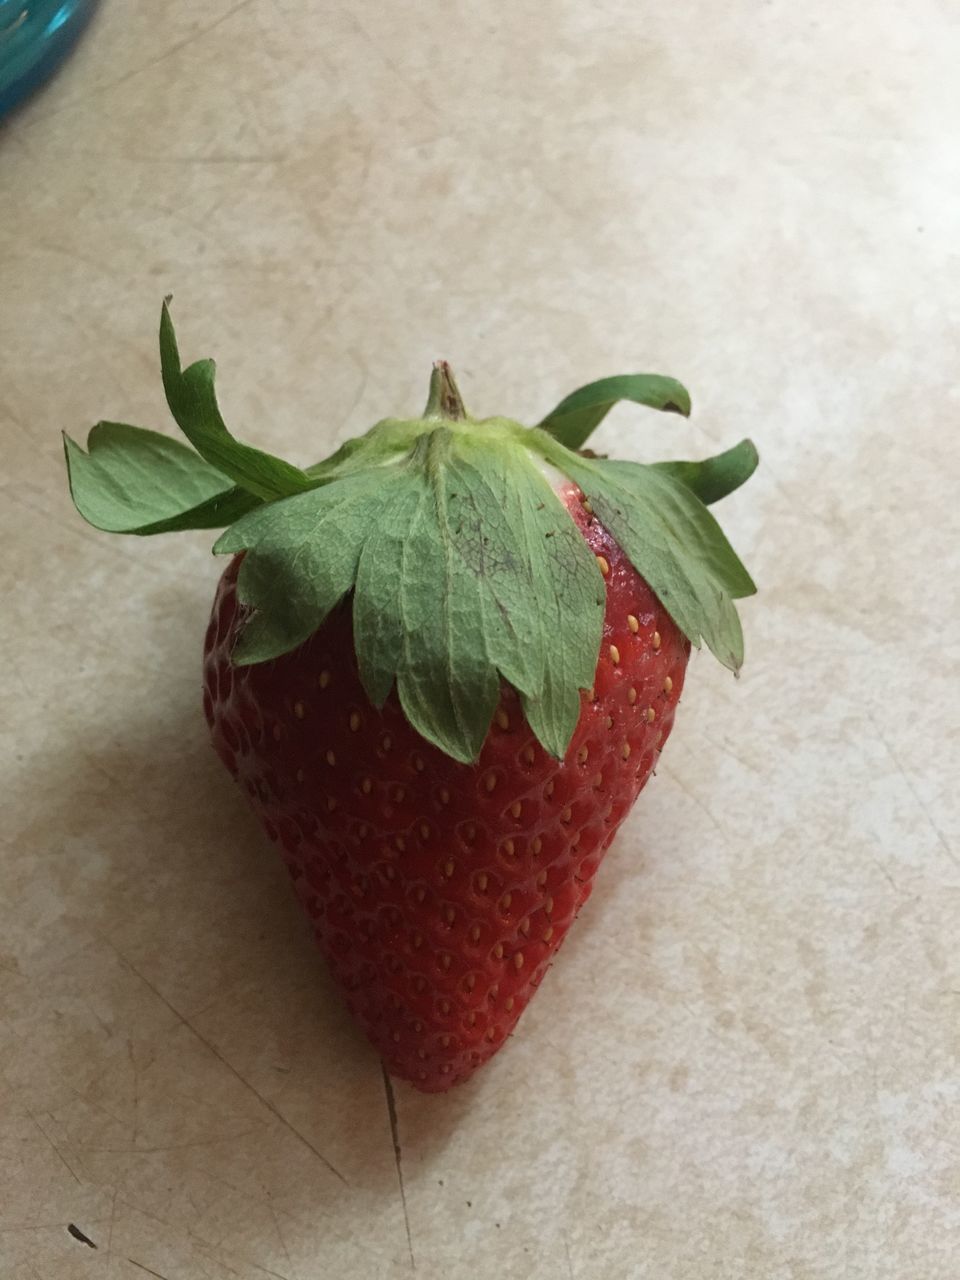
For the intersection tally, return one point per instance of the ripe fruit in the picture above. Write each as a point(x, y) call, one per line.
point(439, 891)
point(437, 669)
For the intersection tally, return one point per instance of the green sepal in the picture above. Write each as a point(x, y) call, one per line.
point(462, 565)
point(302, 555)
point(576, 417)
point(465, 569)
point(193, 402)
point(131, 480)
point(671, 539)
point(714, 478)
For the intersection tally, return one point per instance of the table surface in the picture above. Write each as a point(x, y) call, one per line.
point(745, 1062)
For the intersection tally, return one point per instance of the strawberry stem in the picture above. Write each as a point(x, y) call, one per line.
point(444, 400)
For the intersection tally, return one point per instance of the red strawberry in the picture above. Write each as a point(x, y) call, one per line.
point(440, 891)
point(395, 672)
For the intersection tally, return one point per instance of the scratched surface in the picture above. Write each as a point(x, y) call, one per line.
point(745, 1061)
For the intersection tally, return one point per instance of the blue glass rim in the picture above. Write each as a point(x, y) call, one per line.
point(56, 42)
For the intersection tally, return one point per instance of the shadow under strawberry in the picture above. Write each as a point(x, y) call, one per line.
point(149, 850)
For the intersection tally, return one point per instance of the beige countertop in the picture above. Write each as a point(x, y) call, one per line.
point(745, 1061)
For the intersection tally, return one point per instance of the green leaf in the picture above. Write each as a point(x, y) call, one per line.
point(302, 555)
point(575, 418)
point(466, 570)
point(713, 478)
point(386, 441)
point(378, 624)
point(416, 620)
point(193, 403)
point(568, 598)
point(672, 540)
point(132, 480)
point(478, 574)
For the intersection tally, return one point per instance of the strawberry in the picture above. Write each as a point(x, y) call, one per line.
point(442, 665)
point(440, 891)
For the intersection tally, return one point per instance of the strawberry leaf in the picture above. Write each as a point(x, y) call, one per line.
point(672, 540)
point(302, 555)
point(478, 575)
point(575, 418)
point(466, 570)
point(193, 403)
point(132, 480)
point(417, 623)
point(714, 478)
point(569, 597)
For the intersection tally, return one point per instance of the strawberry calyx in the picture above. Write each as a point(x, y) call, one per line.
point(463, 564)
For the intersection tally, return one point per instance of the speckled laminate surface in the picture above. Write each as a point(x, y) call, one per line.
point(745, 1063)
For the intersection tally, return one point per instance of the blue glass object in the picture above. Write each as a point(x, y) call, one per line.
point(34, 36)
